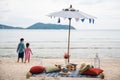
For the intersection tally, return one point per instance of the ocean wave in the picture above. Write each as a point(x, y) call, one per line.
point(65, 48)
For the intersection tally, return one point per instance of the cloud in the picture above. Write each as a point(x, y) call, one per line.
point(90, 2)
point(25, 12)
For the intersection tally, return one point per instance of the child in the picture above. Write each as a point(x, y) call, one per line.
point(20, 49)
point(28, 51)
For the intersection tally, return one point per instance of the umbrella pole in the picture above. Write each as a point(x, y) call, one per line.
point(69, 37)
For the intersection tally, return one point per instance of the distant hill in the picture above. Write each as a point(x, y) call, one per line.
point(48, 26)
point(8, 27)
point(38, 26)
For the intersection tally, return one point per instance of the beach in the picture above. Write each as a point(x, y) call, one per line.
point(86, 30)
point(49, 51)
point(11, 70)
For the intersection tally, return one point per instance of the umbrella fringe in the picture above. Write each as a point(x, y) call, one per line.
point(83, 20)
point(77, 19)
point(91, 21)
point(58, 20)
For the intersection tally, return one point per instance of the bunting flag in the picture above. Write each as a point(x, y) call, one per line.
point(58, 20)
point(83, 20)
point(52, 17)
point(77, 19)
point(90, 20)
point(93, 21)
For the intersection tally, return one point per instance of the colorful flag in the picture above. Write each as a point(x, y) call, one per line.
point(83, 20)
point(58, 20)
point(90, 20)
point(77, 19)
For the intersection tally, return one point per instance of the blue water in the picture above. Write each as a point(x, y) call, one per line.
point(53, 43)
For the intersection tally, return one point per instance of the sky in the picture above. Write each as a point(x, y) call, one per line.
point(24, 13)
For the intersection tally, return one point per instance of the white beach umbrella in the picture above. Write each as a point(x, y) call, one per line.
point(72, 13)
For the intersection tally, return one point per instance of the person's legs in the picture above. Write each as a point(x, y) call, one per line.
point(25, 60)
point(28, 60)
point(22, 60)
point(18, 57)
point(22, 56)
point(26, 57)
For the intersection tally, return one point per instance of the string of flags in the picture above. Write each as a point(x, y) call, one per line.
point(77, 19)
point(58, 20)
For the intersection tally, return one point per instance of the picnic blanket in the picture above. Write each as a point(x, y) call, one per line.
point(74, 74)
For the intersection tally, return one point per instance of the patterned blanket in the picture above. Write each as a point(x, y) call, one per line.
point(73, 74)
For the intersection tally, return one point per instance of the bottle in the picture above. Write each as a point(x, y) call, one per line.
point(97, 61)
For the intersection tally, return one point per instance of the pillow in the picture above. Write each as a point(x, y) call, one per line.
point(49, 69)
point(93, 71)
point(37, 69)
point(82, 65)
point(83, 69)
point(57, 65)
point(66, 55)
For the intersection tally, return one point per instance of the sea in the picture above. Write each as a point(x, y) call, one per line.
point(53, 43)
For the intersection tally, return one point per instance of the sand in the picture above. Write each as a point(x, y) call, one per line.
point(11, 70)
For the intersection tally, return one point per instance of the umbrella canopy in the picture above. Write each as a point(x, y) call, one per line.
point(72, 13)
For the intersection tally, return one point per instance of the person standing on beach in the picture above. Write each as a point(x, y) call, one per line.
point(21, 49)
point(28, 51)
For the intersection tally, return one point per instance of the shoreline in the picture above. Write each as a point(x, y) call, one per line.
point(11, 70)
point(15, 57)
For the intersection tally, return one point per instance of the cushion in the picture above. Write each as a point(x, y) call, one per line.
point(49, 69)
point(37, 69)
point(82, 65)
point(57, 65)
point(93, 71)
point(66, 55)
point(83, 69)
